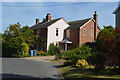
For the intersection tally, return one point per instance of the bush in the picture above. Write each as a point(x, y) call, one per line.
point(107, 46)
point(25, 49)
point(82, 63)
point(42, 53)
point(52, 49)
point(68, 63)
point(98, 60)
point(81, 52)
point(67, 54)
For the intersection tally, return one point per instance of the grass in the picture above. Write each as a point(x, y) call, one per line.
point(74, 73)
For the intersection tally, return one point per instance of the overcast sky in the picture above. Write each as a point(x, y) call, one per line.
point(26, 12)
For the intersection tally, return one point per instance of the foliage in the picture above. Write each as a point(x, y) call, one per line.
point(52, 49)
point(81, 52)
point(14, 36)
point(108, 44)
point(105, 34)
point(42, 53)
point(82, 63)
point(44, 20)
point(68, 62)
point(25, 49)
point(42, 43)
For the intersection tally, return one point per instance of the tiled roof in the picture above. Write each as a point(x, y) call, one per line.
point(78, 23)
point(73, 24)
point(44, 24)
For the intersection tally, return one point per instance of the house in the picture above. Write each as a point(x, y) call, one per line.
point(117, 15)
point(67, 35)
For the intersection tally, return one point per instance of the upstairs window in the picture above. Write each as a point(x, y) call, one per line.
point(90, 32)
point(84, 32)
point(57, 31)
point(67, 33)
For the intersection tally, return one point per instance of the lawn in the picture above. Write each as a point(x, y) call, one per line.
point(77, 73)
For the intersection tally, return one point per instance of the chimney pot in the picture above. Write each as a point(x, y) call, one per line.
point(37, 21)
point(48, 17)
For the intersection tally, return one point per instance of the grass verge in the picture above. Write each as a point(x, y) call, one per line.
point(77, 73)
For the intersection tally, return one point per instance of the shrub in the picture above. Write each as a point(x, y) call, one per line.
point(25, 49)
point(51, 49)
point(42, 53)
point(82, 63)
point(67, 54)
point(98, 60)
point(81, 52)
point(68, 63)
point(107, 46)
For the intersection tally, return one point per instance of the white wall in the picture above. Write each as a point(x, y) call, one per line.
point(51, 35)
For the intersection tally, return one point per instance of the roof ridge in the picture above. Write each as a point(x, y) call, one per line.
point(80, 20)
point(45, 23)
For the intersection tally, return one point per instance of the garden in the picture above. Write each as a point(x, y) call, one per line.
point(99, 60)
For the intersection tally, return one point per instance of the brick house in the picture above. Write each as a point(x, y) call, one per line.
point(67, 35)
point(117, 15)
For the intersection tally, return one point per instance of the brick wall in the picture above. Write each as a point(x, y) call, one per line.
point(77, 37)
point(74, 37)
point(89, 36)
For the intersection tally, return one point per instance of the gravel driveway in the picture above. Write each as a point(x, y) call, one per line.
point(30, 68)
point(41, 58)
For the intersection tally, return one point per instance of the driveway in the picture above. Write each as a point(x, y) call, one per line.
point(29, 68)
point(41, 58)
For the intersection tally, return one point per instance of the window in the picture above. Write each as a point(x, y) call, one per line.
point(67, 33)
point(90, 32)
point(56, 31)
point(84, 31)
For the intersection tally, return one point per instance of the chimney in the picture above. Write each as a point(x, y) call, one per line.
point(48, 17)
point(95, 16)
point(37, 21)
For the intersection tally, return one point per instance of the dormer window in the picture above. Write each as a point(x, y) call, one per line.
point(57, 31)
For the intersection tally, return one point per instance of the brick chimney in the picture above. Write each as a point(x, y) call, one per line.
point(48, 17)
point(95, 16)
point(37, 21)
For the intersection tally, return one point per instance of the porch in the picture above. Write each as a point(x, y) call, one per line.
point(64, 44)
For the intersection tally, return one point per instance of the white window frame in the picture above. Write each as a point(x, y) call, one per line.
point(91, 32)
point(84, 32)
point(68, 33)
point(57, 32)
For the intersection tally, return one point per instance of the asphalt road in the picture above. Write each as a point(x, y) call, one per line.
point(16, 68)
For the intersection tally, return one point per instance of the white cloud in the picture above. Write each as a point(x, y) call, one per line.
point(60, 0)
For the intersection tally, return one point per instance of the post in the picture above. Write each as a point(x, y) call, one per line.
point(65, 46)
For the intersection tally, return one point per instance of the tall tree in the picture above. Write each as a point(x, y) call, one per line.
point(14, 36)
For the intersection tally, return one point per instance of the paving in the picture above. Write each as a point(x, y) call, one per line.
point(30, 68)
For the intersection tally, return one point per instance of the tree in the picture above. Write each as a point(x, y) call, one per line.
point(105, 34)
point(108, 44)
point(14, 36)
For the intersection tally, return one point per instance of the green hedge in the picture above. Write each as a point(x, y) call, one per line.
point(81, 52)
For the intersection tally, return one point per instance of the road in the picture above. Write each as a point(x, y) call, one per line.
point(16, 68)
